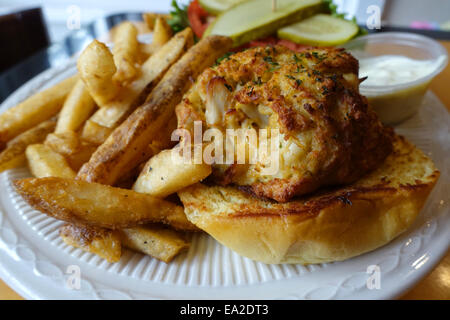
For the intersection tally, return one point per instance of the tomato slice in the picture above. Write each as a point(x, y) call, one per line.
point(198, 18)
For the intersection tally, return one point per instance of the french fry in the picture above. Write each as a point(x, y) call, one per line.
point(96, 67)
point(146, 50)
point(14, 154)
point(94, 204)
point(44, 162)
point(150, 18)
point(167, 172)
point(100, 217)
point(162, 32)
point(103, 242)
point(103, 246)
point(76, 109)
point(64, 143)
point(154, 240)
point(82, 155)
point(161, 35)
point(95, 133)
point(125, 52)
point(151, 72)
point(162, 139)
point(122, 150)
point(75, 151)
point(127, 181)
point(113, 114)
point(34, 110)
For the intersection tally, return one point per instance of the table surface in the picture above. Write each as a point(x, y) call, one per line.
point(437, 284)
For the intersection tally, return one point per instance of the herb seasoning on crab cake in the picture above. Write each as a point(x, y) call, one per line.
point(328, 133)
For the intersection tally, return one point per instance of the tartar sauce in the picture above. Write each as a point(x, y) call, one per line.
point(393, 69)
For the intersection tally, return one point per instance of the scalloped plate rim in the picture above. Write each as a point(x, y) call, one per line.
point(29, 285)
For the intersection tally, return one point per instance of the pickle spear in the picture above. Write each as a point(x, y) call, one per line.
point(216, 7)
point(320, 30)
point(255, 19)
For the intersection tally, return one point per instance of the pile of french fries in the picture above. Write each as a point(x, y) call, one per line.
point(98, 143)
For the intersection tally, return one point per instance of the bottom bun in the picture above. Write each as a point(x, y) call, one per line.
point(327, 226)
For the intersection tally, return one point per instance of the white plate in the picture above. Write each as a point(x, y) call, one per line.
point(34, 260)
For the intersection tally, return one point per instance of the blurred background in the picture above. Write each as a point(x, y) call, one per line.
point(42, 34)
point(431, 14)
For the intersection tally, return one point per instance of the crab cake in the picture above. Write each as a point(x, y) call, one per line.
point(328, 135)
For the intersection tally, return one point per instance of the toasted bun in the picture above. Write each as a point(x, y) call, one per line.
point(323, 227)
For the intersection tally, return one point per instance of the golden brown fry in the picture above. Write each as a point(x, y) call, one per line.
point(162, 32)
point(12, 158)
point(150, 18)
point(98, 205)
point(167, 172)
point(161, 141)
point(44, 162)
point(163, 138)
point(14, 155)
point(122, 150)
point(95, 133)
point(81, 155)
point(127, 181)
point(64, 143)
point(146, 50)
point(112, 114)
point(103, 242)
point(76, 151)
point(34, 110)
point(154, 240)
point(76, 109)
point(96, 67)
point(125, 52)
point(115, 112)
